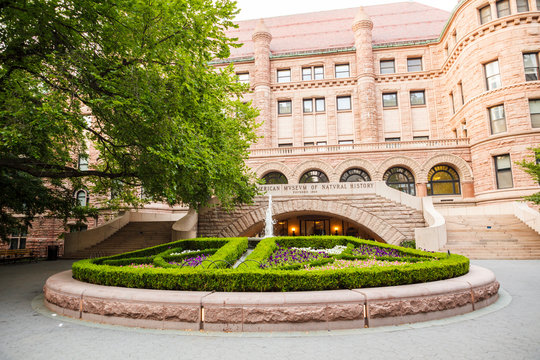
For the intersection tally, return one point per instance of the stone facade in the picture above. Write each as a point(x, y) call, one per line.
point(441, 57)
point(452, 127)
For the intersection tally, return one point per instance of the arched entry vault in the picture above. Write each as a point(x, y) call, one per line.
point(381, 230)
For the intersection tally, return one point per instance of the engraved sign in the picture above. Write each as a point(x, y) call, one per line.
point(345, 188)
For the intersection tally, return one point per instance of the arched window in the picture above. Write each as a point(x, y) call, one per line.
point(314, 176)
point(400, 179)
point(82, 198)
point(275, 177)
point(443, 180)
point(354, 175)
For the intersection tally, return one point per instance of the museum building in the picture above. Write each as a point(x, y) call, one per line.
point(430, 109)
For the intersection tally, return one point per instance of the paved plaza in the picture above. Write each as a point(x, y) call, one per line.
point(509, 329)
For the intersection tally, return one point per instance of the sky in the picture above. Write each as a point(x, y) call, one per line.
point(255, 9)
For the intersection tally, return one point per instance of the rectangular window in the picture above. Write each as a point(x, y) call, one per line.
point(392, 139)
point(318, 72)
point(414, 64)
point(306, 74)
point(284, 76)
point(389, 100)
point(503, 8)
point(522, 5)
point(485, 14)
point(452, 105)
point(418, 98)
point(497, 119)
point(388, 66)
point(285, 107)
point(503, 171)
point(342, 71)
point(285, 145)
point(530, 63)
point(83, 162)
point(243, 78)
point(345, 142)
point(321, 143)
point(418, 138)
point(308, 105)
point(17, 239)
point(534, 106)
point(344, 103)
point(319, 105)
point(460, 86)
point(493, 77)
point(309, 144)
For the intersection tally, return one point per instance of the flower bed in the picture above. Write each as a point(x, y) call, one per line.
point(297, 263)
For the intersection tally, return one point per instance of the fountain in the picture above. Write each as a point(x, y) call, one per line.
point(269, 222)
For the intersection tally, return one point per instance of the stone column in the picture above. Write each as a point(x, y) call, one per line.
point(261, 83)
point(365, 77)
point(421, 189)
point(493, 9)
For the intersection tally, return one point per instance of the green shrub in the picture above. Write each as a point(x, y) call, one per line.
point(422, 267)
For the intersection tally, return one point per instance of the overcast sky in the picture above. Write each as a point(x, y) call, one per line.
point(255, 9)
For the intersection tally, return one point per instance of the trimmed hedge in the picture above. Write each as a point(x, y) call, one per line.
point(249, 277)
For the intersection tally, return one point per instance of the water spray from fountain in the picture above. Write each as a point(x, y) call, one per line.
point(269, 222)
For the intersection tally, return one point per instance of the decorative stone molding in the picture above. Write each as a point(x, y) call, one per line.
point(275, 166)
point(401, 161)
point(461, 166)
point(356, 163)
point(383, 229)
point(314, 165)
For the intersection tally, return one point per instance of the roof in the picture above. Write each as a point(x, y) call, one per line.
point(392, 23)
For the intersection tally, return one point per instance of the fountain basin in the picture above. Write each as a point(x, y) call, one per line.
point(271, 311)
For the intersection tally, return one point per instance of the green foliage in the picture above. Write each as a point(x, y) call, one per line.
point(408, 244)
point(163, 118)
point(288, 278)
point(533, 168)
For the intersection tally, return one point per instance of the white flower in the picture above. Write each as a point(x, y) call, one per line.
point(336, 250)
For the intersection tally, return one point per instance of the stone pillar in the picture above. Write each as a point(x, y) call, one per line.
point(467, 187)
point(421, 189)
point(533, 6)
point(261, 83)
point(365, 77)
point(493, 9)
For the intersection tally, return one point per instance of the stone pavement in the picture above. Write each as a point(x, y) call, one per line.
point(503, 331)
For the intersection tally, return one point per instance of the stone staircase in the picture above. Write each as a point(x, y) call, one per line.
point(491, 237)
point(133, 236)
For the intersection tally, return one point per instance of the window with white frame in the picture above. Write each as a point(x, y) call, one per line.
point(493, 76)
point(503, 8)
point(530, 63)
point(83, 162)
point(388, 66)
point(342, 71)
point(497, 119)
point(522, 5)
point(284, 75)
point(485, 14)
point(343, 103)
point(81, 197)
point(243, 78)
point(534, 108)
point(414, 64)
point(503, 171)
point(313, 73)
point(318, 102)
point(17, 238)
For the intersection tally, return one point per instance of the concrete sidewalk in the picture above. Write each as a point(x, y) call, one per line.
point(502, 332)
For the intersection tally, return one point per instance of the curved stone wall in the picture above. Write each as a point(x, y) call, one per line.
point(285, 311)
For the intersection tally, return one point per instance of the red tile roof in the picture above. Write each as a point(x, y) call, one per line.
point(397, 22)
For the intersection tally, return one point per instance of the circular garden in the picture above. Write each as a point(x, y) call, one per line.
point(276, 264)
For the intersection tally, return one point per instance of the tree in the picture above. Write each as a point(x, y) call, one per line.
point(163, 117)
point(533, 168)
